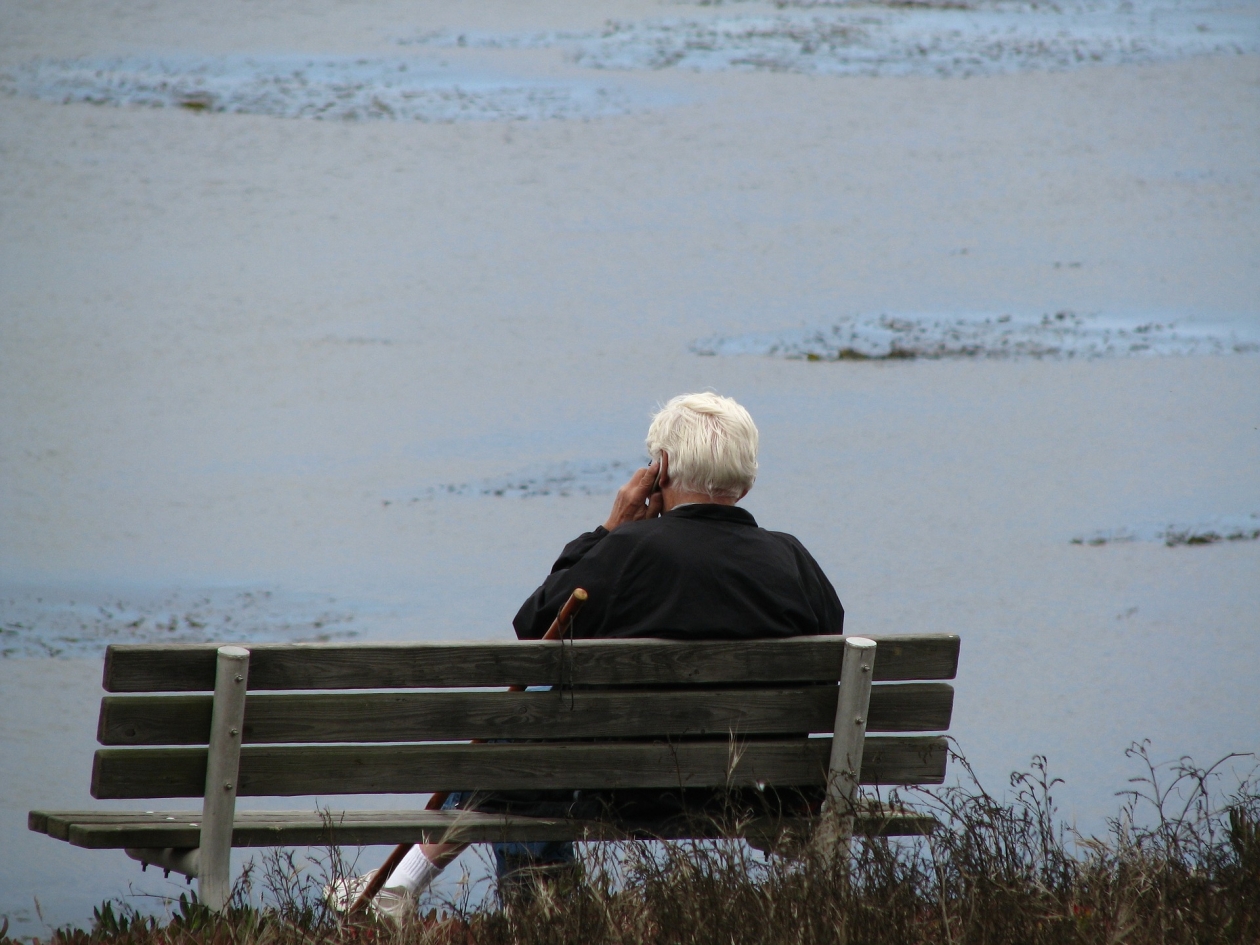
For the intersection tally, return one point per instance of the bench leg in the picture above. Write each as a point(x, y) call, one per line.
point(835, 827)
point(214, 880)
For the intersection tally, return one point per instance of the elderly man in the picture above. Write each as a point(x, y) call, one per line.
point(676, 559)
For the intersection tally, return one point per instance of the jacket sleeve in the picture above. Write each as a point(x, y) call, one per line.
point(827, 603)
point(540, 608)
point(823, 599)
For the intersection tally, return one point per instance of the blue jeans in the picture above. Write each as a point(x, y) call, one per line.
point(510, 858)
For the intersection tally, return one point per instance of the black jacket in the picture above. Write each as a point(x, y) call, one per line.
point(699, 572)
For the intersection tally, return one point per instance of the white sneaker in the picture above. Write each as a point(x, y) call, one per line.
point(393, 902)
point(341, 895)
point(396, 904)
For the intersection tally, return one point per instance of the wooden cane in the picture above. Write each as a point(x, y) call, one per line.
point(557, 629)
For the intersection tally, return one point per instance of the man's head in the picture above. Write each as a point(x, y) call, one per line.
point(711, 442)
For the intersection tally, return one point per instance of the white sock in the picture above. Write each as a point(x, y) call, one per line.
point(414, 873)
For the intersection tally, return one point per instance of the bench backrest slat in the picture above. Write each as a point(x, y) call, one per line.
point(190, 668)
point(409, 769)
point(454, 716)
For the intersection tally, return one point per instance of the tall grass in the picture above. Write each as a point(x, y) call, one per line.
point(1178, 863)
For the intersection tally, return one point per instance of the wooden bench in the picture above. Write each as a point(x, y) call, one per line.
point(181, 725)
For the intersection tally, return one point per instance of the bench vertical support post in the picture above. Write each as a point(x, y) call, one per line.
point(845, 770)
point(227, 721)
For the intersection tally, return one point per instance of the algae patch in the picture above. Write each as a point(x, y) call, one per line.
point(897, 38)
point(1207, 532)
point(325, 87)
point(1061, 335)
point(563, 479)
point(77, 621)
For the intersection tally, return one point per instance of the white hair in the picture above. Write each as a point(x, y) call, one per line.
point(711, 441)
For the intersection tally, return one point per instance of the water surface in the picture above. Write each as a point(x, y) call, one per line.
point(266, 379)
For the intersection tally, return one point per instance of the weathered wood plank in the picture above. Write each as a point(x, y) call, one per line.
point(245, 816)
point(56, 824)
point(412, 769)
point(456, 716)
point(365, 828)
point(190, 667)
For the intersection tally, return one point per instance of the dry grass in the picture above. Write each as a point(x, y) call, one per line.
point(1179, 863)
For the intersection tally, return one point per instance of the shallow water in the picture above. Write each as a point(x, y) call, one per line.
point(267, 379)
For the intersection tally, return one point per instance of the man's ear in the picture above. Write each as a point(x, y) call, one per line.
point(663, 479)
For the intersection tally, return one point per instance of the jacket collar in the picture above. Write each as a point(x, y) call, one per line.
point(712, 512)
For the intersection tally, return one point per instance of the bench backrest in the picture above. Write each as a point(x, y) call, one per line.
point(398, 718)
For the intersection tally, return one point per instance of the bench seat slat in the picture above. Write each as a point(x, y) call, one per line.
point(455, 716)
point(411, 769)
point(190, 667)
point(56, 824)
point(306, 828)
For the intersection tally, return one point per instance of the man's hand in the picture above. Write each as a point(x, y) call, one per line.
point(635, 500)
